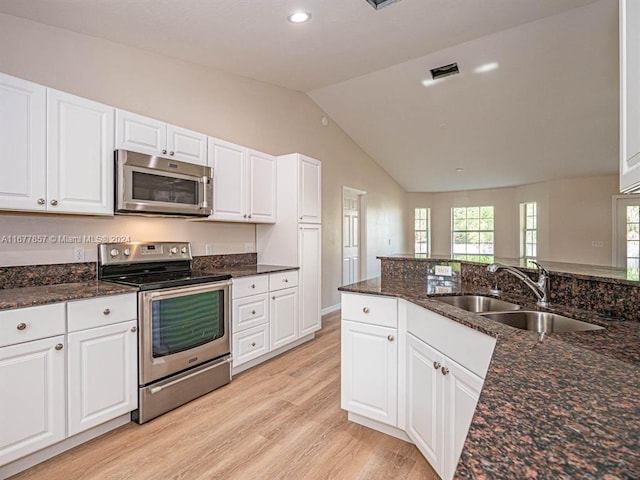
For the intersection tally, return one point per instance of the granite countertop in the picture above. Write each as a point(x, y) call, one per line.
point(248, 270)
point(45, 294)
point(42, 295)
point(568, 407)
point(610, 274)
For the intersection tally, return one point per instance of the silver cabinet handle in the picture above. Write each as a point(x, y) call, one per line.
point(273, 298)
point(171, 153)
point(253, 312)
point(286, 280)
point(249, 216)
point(245, 215)
point(365, 309)
point(134, 329)
point(253, 344)
point(300, 217)
point(41, 201)
point(253, 285)
point(390, 338)
point(106, 311)
point(436, 365)
point(54, 202)
point(164, 151)
point(444, 370)
point(59, 346)
point(21, 326)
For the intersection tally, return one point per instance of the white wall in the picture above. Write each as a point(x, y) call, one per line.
point(259, 115)
point(572, 213)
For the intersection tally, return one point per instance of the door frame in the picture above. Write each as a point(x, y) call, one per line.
point(362, 229)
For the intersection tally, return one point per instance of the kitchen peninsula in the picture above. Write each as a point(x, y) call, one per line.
point(565, 407)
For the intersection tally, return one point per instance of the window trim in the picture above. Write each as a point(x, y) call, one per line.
point(473, 256)
point(427, 231)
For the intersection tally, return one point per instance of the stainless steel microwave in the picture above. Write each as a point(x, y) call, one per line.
point(146, 184)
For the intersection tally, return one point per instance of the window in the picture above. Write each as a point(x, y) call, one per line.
point(528, 230)
point(633, 242)
point(421, 229)
point(472, 233)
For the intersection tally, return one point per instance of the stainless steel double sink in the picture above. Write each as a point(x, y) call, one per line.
point(512, 314)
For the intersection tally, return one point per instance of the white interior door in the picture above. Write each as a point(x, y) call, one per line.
point(351, 235)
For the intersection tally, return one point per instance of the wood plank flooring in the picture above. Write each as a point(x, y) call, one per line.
point(279, 420)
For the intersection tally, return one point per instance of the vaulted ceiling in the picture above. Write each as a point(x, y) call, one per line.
point(548, 110)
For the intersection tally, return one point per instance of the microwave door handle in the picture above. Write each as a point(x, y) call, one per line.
point(204, 181)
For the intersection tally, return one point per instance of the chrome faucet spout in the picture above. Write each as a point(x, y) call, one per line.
point(540, 288)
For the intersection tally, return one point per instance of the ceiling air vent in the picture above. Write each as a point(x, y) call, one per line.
point(378, 4)
point(444, 71)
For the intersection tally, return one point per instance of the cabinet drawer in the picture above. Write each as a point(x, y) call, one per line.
point(250, 344)
point(245, 286)
point(32, 323)
point(371, 309)
point(280, 280)
point(250, 311)
point(97, 312)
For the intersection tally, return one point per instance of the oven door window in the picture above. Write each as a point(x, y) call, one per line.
point(185, 322)
point(160, 188)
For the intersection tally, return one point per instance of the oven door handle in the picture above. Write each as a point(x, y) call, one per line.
point(159, 388)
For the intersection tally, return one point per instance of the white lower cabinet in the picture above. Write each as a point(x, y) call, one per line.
point(441, 398)
point(32, 403)
point(407, 367)
point(265, 315)
point(102, 374)
point(370, 371)
point(284, 318)
point(65, 368)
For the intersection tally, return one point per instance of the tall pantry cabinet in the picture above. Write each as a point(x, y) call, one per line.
point(295, 240)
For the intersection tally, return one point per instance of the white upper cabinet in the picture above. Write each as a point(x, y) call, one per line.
point(147, 135)
point(244, 183)
point(23, 143)
point(309, 191)
point(261, 187)
point(79, 155)
point(629, 96)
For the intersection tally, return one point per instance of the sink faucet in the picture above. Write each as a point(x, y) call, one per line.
point(540, 288)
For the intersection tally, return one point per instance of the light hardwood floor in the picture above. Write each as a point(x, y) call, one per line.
point(279, 420)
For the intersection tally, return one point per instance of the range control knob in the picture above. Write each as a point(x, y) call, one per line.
point(127, 252)
point(183, 249)
point(114, 252)
point(174, 250)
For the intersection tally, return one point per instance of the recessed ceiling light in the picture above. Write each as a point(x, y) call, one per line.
point(459, 169)
point(487, 67)
point(299, 17)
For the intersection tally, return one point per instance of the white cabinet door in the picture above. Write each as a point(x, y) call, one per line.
point(80, 146)
point(249, 344)
point(283, 317)
point(23, 144)
point(229, 186)
point(461, 394)
point(629, 95)
point(261, 187)
point(369, 356)
point(103, 374)
point(32, 403)
point(425, 422)
point(186, 145)
point(309, 254)
point(309, 190)
point(140, 134)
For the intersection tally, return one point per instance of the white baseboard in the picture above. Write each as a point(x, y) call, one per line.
point(331, 309)
point(256, 361)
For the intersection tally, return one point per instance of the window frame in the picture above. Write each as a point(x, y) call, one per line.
point(470, 217)
point(526, 228)
point(427, 230)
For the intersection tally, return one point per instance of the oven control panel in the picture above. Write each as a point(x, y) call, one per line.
point(138, 252)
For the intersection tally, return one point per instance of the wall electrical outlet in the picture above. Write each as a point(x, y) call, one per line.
point(78, 254)
point(208, 249)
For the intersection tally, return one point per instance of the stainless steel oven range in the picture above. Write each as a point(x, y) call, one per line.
point(183, 319)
